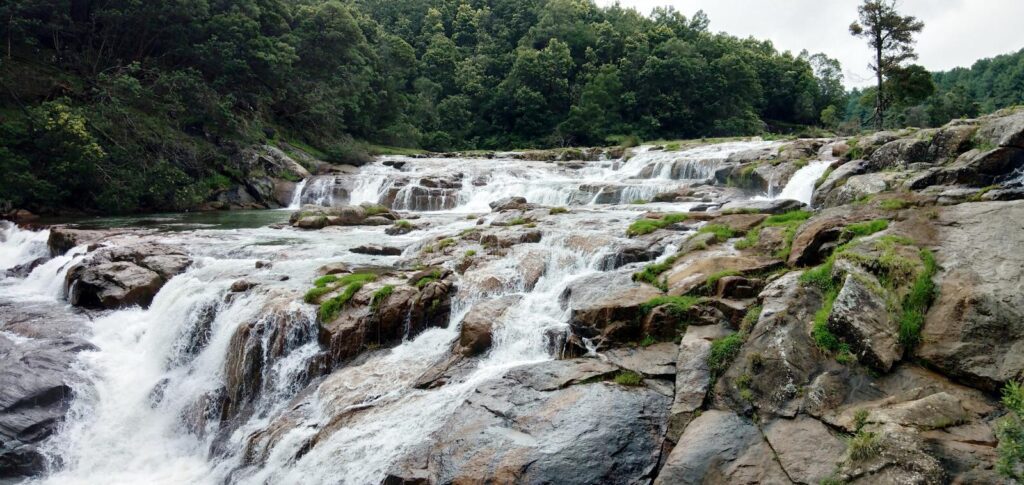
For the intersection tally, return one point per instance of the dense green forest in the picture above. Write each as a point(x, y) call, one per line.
point(122, 105)
point(988, 85)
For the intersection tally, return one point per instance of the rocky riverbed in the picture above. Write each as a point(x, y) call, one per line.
point(808, 311)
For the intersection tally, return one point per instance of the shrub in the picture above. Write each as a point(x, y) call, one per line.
point(723, 351)
point(648, 341)
point(558, 210)
point(403, 224)
point(470, 253)
point(863, 446)
point(629, 378)
point(374, 209)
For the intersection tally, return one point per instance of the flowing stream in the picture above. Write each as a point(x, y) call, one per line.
point(136, 420)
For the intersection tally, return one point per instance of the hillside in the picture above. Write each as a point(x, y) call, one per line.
point(139, 106)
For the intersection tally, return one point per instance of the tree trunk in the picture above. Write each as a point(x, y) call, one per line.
point(879, 95)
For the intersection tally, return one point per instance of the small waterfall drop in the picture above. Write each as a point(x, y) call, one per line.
point(20, 246)
point(296, 202)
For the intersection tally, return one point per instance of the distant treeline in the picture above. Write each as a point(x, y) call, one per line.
point(123, 105)
point(988, 85)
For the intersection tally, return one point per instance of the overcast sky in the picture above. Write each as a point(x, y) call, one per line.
point(956, 32)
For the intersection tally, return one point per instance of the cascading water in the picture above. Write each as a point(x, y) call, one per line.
point(139, 421)
point(469, 185)
point(296, 201)
point(801, 184)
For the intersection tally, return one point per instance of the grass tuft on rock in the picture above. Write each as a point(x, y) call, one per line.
point(380, 296)
point(864, 445)
point(868, 228)
point(647, 226)
point(723, 351)
point(712, 281)
point(629, 378)
point(916, 303)
point(1010, 431)
point(676, 305)
point(558, 210)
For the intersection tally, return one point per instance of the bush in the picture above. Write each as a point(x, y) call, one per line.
point(1010, 431)
point(863, 446)
point(347, 153)
point(558, 210)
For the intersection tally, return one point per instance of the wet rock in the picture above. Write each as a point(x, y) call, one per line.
point(900, 456)
point(242, 285)
point(475, 334)
point(375, 250)
point(693, 270)
point(63, 239)
point(738, 287)
point(1003, 130)
point(508, 203)
point(812, 238)
point(333, 268)
point(741, 222)
point(899, 154)
point(983, 168)
point(124, 275)
point(861, 318)
point(316, 217)
point(974, 330)
point(531, 426)
point(35, 394)
point(778, 206)
point(693, 376)
point(657, 360)
point(721, 447)
point(806, 449)
point(606, 306)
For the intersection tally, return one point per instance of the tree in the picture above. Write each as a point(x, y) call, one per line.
point(891, 35)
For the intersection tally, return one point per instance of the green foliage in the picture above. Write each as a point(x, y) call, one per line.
point(722, 232)
point(470, 253)
point(865, 228)
point(629, 378)
point(677, 306)
point(558, 210)
point(788, 218)
point(403, 224)
point(723, 351)
point(863, 446)
point(652, 272)
point(648, 341)
point(380, 295)
point(351, 283)
point(424, 281)
point(1010, 431)
point(860, 418)
point(916, 303)
point(647, 226)
point(893, 204)
point(750, 319)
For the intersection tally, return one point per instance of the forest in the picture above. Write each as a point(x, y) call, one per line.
point(121, 105)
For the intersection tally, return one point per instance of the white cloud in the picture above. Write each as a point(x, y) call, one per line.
point(957, 32)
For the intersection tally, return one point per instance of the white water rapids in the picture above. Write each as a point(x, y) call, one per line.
point(128, 426)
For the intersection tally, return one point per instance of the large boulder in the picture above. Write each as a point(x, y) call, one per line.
point(807, 450)
point(1004, 129)
point(35, 394)
point(720, 447)
point(605, 307)
point(860, 317)
point(539, 423)
point(974, 330)
point(477, 330)
point(317, 217)
point(121, 276)
point(899, 154)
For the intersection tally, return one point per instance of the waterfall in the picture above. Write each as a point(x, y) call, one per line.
point(801, 185)
point(156, 374)
point(296, 202)
point(20, 246)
